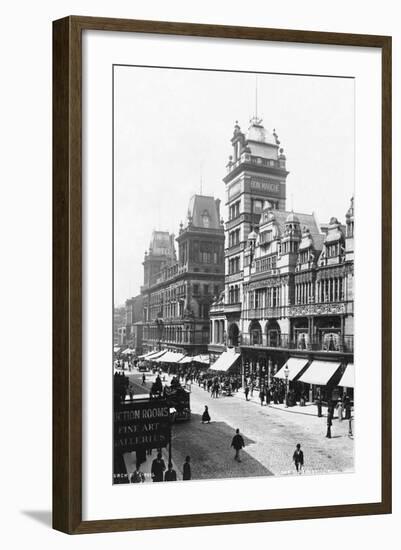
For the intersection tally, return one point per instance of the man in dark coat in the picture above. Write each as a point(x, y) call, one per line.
point(298, 458)
point(238, 443)
point(158, 467)
point(186, 470)
point(170, 475)
point(329, 422)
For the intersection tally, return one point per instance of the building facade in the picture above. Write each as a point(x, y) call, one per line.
point(134, 323)
point(289, 282)
point(178, 290)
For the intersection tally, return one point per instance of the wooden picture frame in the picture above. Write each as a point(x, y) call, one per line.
point(67, 273)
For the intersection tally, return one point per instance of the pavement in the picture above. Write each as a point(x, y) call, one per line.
point(270, 433)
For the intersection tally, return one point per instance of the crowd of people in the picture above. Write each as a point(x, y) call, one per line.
point(159, 471)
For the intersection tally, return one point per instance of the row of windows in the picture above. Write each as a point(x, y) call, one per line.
point(234, 265)
point(264, 297)
point(333, 250)
point(206, 289)
point(233, 295)
point(266, 264)
point(233, 237)
point(233, 211)
point(179, 335)
point(168, 294)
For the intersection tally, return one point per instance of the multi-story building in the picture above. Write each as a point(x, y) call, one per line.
point(119, 322)
point(289, 282)
point(134, 322)
point(178, 291)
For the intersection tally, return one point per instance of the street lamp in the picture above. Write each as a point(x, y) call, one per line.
point(286, 374)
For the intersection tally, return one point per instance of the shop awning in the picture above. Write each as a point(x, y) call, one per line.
point(148, 355)
point(348, 378)
point(295, 365)
point(156, 355)
point(225, 361)
point(319, 372)
point(186, 359)
point(169, 357)
point(128, 351)
point(205, 359)
point(116, 350)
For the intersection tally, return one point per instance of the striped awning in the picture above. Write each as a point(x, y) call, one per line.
point(348, 378)
point(320, 372)
point(225, 361)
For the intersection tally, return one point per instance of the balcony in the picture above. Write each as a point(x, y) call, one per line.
point(265, 313)
point(238, 276)
point(323, 308)
point(345, 343)
point(233, 308)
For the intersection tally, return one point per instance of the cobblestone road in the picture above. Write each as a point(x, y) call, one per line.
point(270, 434)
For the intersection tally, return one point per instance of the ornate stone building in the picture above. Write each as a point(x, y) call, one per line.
point(178, 291)
point(289, 283)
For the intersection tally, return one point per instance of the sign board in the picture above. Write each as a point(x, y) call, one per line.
point(141, 425)
point(265, 186)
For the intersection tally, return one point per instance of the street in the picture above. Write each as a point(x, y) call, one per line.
point(270, 434)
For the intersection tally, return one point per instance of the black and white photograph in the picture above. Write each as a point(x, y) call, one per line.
point(233, 274)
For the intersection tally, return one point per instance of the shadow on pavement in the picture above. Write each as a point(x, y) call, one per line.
point(212, 456)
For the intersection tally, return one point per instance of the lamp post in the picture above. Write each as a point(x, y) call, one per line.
point(286, 374)
point(172, 415)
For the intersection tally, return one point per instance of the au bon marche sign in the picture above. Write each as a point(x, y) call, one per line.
point(141, 425)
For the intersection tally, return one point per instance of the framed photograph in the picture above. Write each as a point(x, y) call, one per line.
point(221, 275)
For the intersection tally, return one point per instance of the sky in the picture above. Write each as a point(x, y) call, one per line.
point(172, 131)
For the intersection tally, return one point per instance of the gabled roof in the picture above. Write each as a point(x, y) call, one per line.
point(305, 220)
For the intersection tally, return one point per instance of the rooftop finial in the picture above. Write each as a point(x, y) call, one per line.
point(255, 119)
point(256, 97)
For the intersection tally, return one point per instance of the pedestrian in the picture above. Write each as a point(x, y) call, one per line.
point(347, 407)
point(252, 388)
point(158, 467)
point(298, 458)
point(329, 422)
point(350, 426)
point(238, 443)
point(340, 410)
point(186, 469)
point(137, 476)
point(170, 475)
point(262, 396)
point(246, 392)
point(268, 396)
point(206, 415)
point(319, 404)
point(143, 379)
